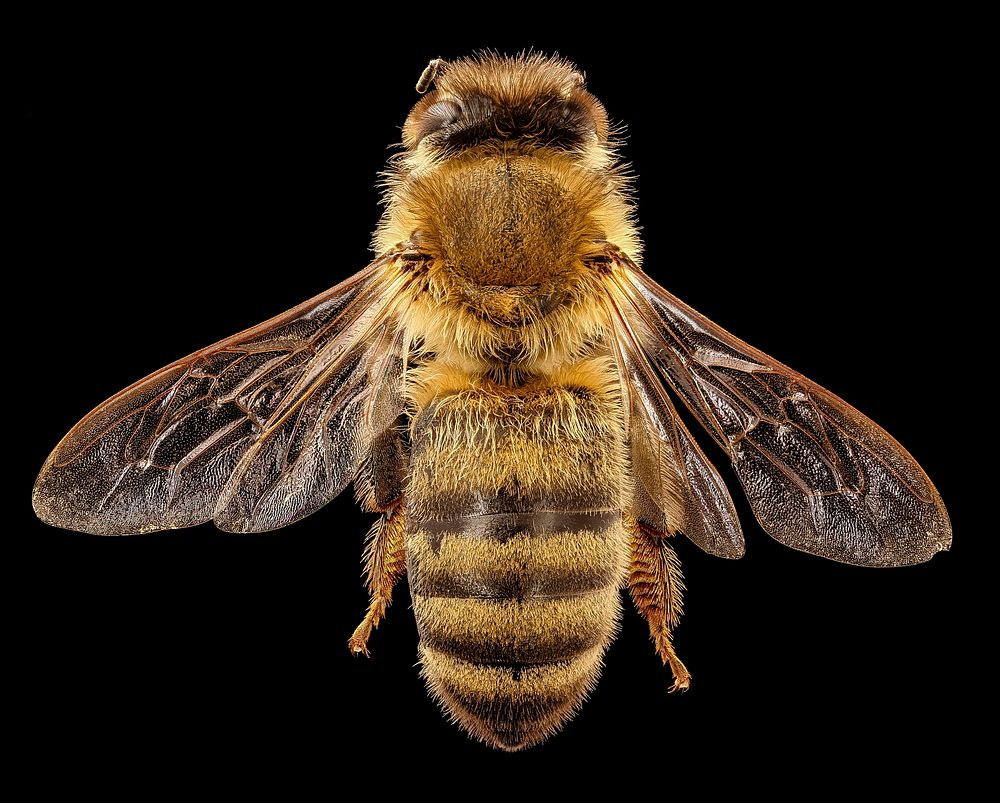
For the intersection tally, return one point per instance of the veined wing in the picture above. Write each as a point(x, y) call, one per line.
point(819, 475)
point(159, 454)
point(676, 487)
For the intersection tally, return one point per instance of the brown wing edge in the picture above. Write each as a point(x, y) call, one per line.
point(308, 455)
point(100, 459)
point(864, 501)
point(675, 485)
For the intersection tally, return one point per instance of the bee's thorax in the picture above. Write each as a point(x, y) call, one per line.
point(508, 236)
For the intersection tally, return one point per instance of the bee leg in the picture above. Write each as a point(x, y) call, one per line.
point(657, 588)
point(385, 564)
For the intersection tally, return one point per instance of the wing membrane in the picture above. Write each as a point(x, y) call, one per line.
point(676, 487)
point(159, 454)
point(819, 475)
point(313, 450)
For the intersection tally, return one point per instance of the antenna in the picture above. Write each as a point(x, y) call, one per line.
point(429, 73)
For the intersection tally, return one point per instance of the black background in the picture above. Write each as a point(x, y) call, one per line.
point(191, 177)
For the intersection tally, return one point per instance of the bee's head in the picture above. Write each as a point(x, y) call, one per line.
point(531, 100)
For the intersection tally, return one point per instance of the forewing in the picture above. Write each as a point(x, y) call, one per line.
point(158, 454)
point(819, 475)
point(313, 449)
point(676, 488)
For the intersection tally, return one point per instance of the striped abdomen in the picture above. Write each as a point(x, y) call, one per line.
point(515, 554)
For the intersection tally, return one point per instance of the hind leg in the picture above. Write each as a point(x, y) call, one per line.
point(655, 582)
point(385, 565)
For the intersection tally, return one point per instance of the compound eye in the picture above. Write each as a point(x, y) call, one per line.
point(440, 115)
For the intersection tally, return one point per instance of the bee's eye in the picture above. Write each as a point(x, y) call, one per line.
point(441, 115)
point(438, 116)
point(574, 114)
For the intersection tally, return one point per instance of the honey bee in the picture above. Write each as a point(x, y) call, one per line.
point(497, 385)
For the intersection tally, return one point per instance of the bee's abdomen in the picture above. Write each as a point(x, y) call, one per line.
point(515, 554)
point(514, 619)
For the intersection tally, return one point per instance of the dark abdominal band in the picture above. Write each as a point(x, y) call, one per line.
point(513, 586)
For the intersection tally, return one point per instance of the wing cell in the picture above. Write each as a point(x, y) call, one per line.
point(159, 454)
point(819, 475)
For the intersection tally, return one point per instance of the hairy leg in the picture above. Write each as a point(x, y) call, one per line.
point(657, 589)
point(385, 565)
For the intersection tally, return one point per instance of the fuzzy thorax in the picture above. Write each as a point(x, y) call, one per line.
point(509, 234)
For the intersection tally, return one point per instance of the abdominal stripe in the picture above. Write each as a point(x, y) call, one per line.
point(515, 556)
point(503, 526)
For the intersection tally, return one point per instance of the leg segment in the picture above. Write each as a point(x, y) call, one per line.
point(385, 564)
point(657, 589)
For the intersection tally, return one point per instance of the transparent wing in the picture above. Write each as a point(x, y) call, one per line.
point(315, 444)
point(819, 475)
point(676, 488)
point(160, 454)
